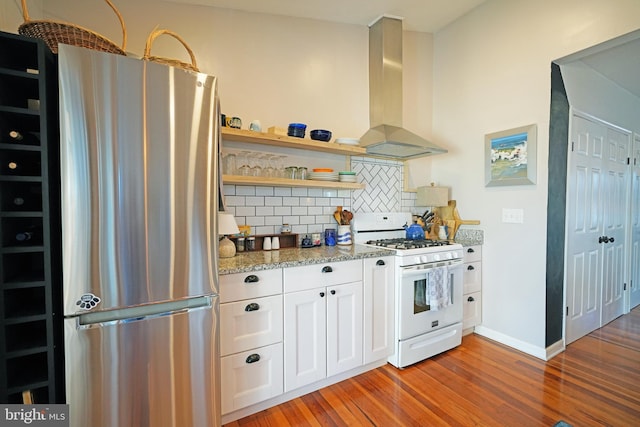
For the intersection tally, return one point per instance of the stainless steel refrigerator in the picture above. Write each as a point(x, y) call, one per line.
point(139, 177)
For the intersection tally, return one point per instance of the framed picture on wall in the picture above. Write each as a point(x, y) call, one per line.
point(510, 157)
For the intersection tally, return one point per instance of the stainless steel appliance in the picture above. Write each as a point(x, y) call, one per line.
point(139, 150)
point(428, 286)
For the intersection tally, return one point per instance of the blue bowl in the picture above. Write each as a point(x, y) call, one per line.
point(320, 135)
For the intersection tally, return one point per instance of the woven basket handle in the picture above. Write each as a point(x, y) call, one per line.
point(25, 16)
point(155, 33)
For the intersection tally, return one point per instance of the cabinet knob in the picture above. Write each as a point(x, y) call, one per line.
point(321, 294)
point(252, 307)
point(252, 278)
point(327, 269)
point(470, 250)
point(470, 268)
point(380, 262)
point(470, 299)
point(333, 292)
point(253, 358)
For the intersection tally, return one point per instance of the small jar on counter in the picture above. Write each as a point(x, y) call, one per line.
point(240, 244)
point(251, 243)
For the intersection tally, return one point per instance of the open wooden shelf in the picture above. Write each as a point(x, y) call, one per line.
point(285, 182)
point(272, 139)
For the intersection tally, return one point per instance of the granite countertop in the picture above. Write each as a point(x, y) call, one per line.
point(469, 237)
point(244, 262)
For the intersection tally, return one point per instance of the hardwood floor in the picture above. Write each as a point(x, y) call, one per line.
point(595, 382)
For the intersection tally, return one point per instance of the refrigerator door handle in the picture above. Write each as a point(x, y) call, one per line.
point(143, 312)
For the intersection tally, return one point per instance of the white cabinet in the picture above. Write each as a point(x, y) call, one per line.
point(378, 307)
point(323, 321)
point(472, 285)
point(251, 326)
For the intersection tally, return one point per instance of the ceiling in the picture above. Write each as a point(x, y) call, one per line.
point(617, 60)
point(426, 16)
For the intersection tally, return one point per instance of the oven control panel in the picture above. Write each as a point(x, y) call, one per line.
point(429, 258)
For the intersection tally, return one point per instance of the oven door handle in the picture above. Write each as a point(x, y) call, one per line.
point(422, 267)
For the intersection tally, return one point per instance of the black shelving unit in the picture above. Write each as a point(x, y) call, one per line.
point(31, 334)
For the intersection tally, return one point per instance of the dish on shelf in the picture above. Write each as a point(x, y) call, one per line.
point(320, 135)
point(323, 176)
point(348, 141)
point(323, 170)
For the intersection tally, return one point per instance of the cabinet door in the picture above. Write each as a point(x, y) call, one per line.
point(472, 310)
point(305, 352)
point(378, 308)
point(344, 327)
point(472, 280)
point(250, 324)
point(251, 377)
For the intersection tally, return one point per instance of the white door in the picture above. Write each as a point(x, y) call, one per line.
point(305, 352)
point(344, 327)
point(634, 282)
point(378, 308)
point(596, 197)
point(615, 189)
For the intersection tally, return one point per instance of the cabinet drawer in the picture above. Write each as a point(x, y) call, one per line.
point(250, 324)
point(472, 253)
point(241, 286)
point(472, 279)
point(251, 377)
point(325, 274)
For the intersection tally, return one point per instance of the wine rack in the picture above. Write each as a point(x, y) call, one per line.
point(31, 332)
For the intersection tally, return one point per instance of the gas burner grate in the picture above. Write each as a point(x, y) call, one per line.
point(408, 244)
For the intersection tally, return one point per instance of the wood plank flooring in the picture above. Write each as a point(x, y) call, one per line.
point(595, 382)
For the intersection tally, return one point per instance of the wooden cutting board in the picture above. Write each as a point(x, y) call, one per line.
point(451, 218)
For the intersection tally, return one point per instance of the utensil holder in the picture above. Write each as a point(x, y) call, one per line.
point(344, 235)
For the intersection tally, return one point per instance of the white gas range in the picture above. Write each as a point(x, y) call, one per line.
point(428, 286)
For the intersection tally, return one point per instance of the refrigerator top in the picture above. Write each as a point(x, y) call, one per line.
point(139, 153)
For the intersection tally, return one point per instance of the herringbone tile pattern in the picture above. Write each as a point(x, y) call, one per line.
point(383, 191)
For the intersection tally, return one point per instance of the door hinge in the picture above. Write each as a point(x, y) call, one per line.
point(624, 288)
point(572, 144)
point(628, 160)
point(567, 311)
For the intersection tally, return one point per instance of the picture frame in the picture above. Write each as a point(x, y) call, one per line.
point(510, 156)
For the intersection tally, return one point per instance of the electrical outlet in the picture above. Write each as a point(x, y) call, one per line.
point(513, 216)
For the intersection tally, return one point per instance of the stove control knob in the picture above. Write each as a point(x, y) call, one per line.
point(436, 257)
point(449, 255)
point(424, 259)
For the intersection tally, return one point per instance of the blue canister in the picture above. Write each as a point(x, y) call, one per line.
point(330, 236)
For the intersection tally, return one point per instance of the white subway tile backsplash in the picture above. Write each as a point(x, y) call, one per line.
point(310, 210)
point(264, 191)
point(245, 190)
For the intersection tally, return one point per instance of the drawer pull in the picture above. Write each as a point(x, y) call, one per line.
point(380, 262)
point(321, 294)
point(252, 278)
point(470, 250)
point(253, 358)
point(333, 292)
point(252, 307)
point(327, 269)
point(470, 268)
point(470, 299)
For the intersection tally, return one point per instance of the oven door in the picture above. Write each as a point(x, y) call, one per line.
point(430, 297)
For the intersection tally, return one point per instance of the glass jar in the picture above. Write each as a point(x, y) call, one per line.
point(240, 244)
point(301, 173)
point(250, 243)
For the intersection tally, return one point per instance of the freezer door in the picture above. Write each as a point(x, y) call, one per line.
point(139, 177)
point(153, 370)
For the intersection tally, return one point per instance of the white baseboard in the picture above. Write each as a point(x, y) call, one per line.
point(525, 347)
point(555, 349)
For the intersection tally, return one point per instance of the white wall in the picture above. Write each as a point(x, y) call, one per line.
point(492, 72)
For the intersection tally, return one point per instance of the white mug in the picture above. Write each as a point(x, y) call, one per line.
point(266, 244)
point(255, 126)
point(275, 242)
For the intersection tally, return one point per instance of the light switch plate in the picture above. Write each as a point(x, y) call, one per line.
point(513, 216)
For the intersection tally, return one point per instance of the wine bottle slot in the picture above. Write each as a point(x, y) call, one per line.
point(24, 236)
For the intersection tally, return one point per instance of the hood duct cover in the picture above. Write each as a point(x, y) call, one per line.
point(387, 138)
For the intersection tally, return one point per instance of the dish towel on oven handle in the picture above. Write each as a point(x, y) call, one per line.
point(439, 288)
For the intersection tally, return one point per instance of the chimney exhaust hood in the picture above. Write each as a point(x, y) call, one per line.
point(386, 137)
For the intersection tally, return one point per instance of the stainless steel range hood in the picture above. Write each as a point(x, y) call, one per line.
point(387, 138)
